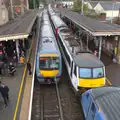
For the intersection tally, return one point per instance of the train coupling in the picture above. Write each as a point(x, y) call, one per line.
point(49, 80)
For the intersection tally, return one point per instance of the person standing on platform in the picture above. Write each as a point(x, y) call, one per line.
point(4, 92)
point(29, 67)
point(0, 72)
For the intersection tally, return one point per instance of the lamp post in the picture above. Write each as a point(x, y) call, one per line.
point(11, 7)
point(22, 6)
point(82, 6)
point(113, 9)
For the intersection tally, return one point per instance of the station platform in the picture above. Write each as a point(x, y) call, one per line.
point(112, 70)
point(14, 85)
point(113, 74)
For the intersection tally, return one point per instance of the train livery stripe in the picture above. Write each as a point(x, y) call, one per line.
point(91, 82)
point(49, 55)
point(49, 73)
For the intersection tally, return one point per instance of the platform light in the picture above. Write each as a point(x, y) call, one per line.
point(116, 38)
point(6, 40)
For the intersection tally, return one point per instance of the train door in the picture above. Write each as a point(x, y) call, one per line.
point(71, 69)
point(74, 77)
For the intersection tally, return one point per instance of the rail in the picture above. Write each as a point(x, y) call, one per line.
point(32, 87)
point(46, 102)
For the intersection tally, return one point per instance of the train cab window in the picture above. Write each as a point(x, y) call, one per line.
point(54, 63)
point(75, 71)
point(98, 72)
point(43, 63)
point(49, 63)
point(85, 73)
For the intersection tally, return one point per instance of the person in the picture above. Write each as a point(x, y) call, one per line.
point(112, 55)
point(0, 72)
point(29, 67)
point(22, 60)
point(4, 90)
point(95, 52)
point(11, 69)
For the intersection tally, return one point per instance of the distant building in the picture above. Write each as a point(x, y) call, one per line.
point(108, 9)
point(105, 7)
point(91, 5)
point(68, 3)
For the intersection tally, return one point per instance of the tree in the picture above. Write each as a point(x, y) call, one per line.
point(77, 6)
point(32, 2)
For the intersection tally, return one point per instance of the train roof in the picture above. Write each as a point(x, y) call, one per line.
point(87, 60)
point(47, 39)
point(45, 22)
point(79, 52)
point(45, 17)
point(48, 44)
point(46, 31)
point(108, 99)
point(58, 22)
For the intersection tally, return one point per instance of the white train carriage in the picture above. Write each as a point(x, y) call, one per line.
point(85, 69)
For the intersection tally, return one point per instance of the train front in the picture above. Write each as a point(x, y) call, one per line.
point(91, 72)
point(49, 68)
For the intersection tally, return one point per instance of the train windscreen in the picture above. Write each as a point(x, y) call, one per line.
point(91, 72)
point(49, 63)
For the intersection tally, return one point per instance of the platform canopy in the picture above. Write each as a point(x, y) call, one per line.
point(94, 27)
point(19, 28)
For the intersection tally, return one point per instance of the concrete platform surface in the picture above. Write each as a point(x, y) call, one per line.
point(14, 85)
point(113, 74)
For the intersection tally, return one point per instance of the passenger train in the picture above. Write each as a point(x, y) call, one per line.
point(48, 58)
point(85, 69)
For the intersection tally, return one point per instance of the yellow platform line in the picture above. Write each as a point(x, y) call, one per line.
point(108, 81)
point(21, 86)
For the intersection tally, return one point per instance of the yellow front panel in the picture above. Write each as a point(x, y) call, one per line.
point(49, 55)
point(91, 83)
point(49, 73)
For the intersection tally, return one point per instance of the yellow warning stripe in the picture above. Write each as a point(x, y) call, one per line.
point(109, 81)
point(21, 86)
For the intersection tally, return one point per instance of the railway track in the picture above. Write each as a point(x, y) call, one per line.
point(46, 103)
point(70, 104)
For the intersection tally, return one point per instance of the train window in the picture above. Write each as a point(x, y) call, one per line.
point(98, 72)
point(85, 73)
point(49, 63)
point(75, 70)
point(93, 110)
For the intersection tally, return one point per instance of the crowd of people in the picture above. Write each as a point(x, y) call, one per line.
point(8, 54)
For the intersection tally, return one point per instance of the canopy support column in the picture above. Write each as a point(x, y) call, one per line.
point(17, 49)
point(100, 46)
point(87, 41)
point(118, 51)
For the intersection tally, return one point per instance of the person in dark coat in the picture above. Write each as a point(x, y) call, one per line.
point(4, 92)
point(29, 67)
point(112, 55)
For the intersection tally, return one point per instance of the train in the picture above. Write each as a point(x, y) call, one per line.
point(48, 58)
point(84, 68)
point(101, 103)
